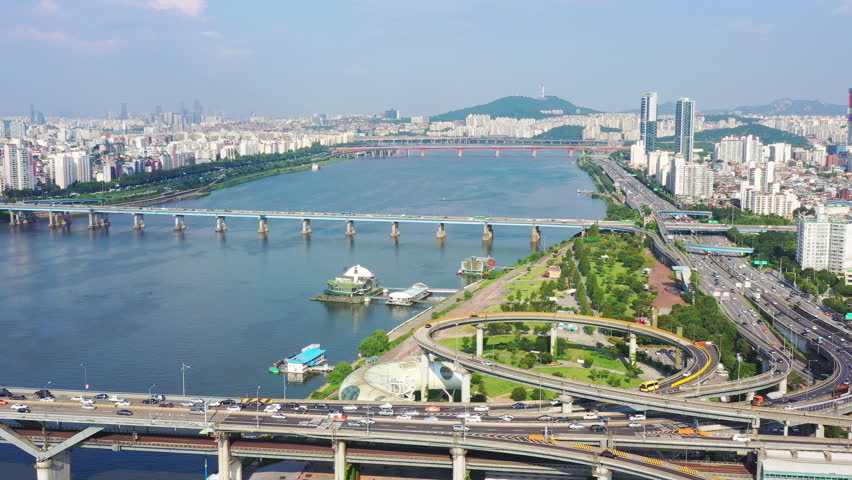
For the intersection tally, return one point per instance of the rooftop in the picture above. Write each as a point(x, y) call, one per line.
point(307, 355)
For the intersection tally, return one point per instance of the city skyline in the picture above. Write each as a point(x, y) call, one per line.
point(284, 61)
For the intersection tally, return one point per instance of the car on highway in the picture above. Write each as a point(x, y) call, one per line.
point(101, 396)
point(234, 408)
point(460, 427)
point(590, 416)
point(522, 406)
point(687, 373)
point(87, 401)
point(430, 418)
point(597, 428)
point(636, 416)
point(462, 415)
point(186, 404)
point(765, 330)
point(738, 437)
point(608, 454)
point(353, 423)
point(196, 411)
point(24, 410)
point(367, 421)
point(576, 426)
point(487, 363)
point(385, 412)
point(124, 412)
point(386, 406)
point(506, 418)
point(18, 405)
point(545, 418)
point(47, 399)
point(350, 408)
point(89, 406)
point(279, 416)
point(403, 416)
point(635, 425)
point(432, 409)
point(272, 408)
point(481, 408)
point(166, 405)
point(122, 403)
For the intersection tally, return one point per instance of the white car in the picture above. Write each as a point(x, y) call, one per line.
point(216, 403)
point(506, 418)
point(197, 400)
point(18, 405)
point(413, 413)
point(634, 425)
point(87, 401)
point(636, 416)
point(462, 415)
point(47, 399)
point(480, 408)
point(114, 398)
point(279, 416)
point(473, 418)
point(350, 408)
point(459, 427)
point(234, 408)
point(687, 373)
point(386, 406)
point(186, 404)
point(404, 416)
point(738, 437)
point(122, 403)
point(430, 418)
point(590, 416)
point(487, 363)
point(89, 406)
point(76, 398)
point(576, 426)
point(272, 408)
point(367, 421)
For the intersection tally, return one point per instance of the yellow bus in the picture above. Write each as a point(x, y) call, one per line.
point(649, 386)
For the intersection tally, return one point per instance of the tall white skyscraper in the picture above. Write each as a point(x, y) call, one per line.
point(64, 170)
point(685, 128)
point(648, 121)
point(825, 243)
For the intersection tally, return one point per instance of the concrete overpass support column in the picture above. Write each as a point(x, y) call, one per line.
point(819, 431)
point(480, 339)
point(602, 473)
point(782, 385)
point(13, 218)
point(679, 352)
point(224, 448)
point(236, 469)
point(749, 396)
point(92, 221)
point(262, 225)
point(849, 433)
point(497, 153)
point(786, 428)
point(306, 226)
point(350, 228)
point(424, 375)
point(104, 220)
point(58, 467)
point(64, 219)
point(459, 463)
point(487, 232)
point(221, 226)
point(755, 425)
point(465, 392)
point(535, 236)
point(395, 229)
point(631, 352)
point(138, 221)
point(180, 225)
point(567, 403)
point(554, 329)
point(441, 232)
point(339, 460)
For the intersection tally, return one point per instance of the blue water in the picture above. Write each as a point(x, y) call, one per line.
point(132, 306)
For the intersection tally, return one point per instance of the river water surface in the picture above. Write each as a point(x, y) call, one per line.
point(134, 305)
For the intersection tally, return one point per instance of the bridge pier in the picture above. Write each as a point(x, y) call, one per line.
point(138, 221)
point(425, 361)
point(229, 468)
point(350, 228)
point(180, 225)
point(262, 225)
point(92, 220)
point(306, 226)
point(480, 339)
point(339, 460)
point(395, 229)
point(631, 351)
point(51, 223)
point(465, 390)
point(782, 385)
point(13, 218)
point(221, 226)
point(441, 232)
point(567, 403)
point(57, 467)
point(535, 236)
point(487, 232)
point(819, 431)
point(460, 153)
point(459, 463)
point(422, 153)
point(755, 425)
point(554, 329)
point(602, 473)
point(497, 153)
point(64, 219)
point(534, 153)
point(104, 220)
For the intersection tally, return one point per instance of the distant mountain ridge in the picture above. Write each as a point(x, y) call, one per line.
point(782, 106)
point(517, 107)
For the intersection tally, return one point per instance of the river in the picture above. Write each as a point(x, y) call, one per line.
point(132, 306)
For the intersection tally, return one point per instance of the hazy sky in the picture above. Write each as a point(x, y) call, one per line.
point(283, 58)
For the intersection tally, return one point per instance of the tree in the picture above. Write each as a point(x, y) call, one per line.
point(613, 381)
point(518, 394)
point(536, 394)
point(340, 371)
point(375, 344)
point(546, 358)
point(588, 362)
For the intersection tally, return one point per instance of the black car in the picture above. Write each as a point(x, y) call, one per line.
point(291, 405)
point(167, 404)
point(228, 402)
point(18, 397)
point(24, 410)
point(545, 418)
point(563, 419)
point(101, 396)
point(5, 393)
point(608, 454)
point(150, 401)
point(321, 406)
point(597, 428)
point(42, 393)
point(124, 412)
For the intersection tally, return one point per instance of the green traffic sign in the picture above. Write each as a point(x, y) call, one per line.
point(849, 316)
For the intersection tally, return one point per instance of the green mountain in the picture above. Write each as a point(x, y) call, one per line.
point(767, 135)
point(788, 106)
point(516, 107)
point(565, 132)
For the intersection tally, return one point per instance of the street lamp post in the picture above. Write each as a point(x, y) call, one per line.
point(150, 412)
point(257, 407)
point(45, 387)
point(85, 376)
point(183, 368)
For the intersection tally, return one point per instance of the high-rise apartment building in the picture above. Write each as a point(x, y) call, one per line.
point(18, 167)
point(648, 121)
point(123, 114)
point(690, 180)
point(685, 128)
point(825, 243)
point(849, 121)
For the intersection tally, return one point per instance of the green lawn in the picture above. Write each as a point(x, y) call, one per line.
point(582, 375)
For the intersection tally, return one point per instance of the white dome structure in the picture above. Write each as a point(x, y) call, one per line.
point(359, 274)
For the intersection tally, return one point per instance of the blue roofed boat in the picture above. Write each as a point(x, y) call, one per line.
point(312, 357)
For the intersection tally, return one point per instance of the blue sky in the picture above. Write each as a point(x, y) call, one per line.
point(283, 58)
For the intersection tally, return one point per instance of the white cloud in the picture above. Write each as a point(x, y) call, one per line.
point(64, 39)
point(750, 27)
point(49, 6)
point(235, 52)
point(192, 8)
point(211, 34)
point(35, 34)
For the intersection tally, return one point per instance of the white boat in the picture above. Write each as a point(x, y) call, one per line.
point(418, 291)
point(315, 167)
